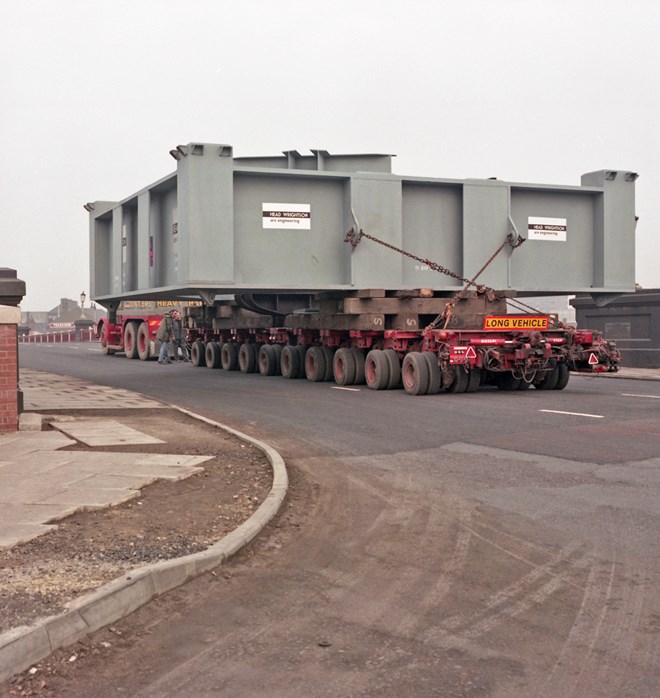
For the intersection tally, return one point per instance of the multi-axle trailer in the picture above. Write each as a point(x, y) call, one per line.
point(467, 349)
point(281, 287)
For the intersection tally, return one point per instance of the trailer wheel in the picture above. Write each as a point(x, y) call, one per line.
point(278, 356)
point(267, 360)
point(291, 362)
point(360, 361)
point(105, 347)
point(395, 369)
point(198, 353)
point(315, 364)
point(130, 340)
point(435, 374)
point(144, 344)
point(343, 366)
point(377, 370)
point(564, 375)
point(474, 380)
point(415, 373)
point(212, 355)
point(247, 357)
point(507, 381)
point(549, 381)
point(329, 356)
point(229, 356)
point(456, 379)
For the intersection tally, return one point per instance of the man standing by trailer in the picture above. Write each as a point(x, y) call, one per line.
point(165, 335)
point(178, 338)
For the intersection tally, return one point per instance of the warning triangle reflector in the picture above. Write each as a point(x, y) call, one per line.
point(470, 353)
point(593, 359)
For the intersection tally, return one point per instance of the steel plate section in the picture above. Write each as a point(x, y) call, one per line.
point(375, 204)
point(290, 253)
point(553, 262)
point(203, 228)
point(432, 213)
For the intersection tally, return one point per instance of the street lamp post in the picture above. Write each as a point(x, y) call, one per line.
point(83, 323)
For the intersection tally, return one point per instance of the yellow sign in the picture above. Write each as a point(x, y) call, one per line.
point(516, 322)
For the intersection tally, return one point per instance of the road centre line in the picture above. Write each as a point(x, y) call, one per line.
point(576, 414)
point(654, 397)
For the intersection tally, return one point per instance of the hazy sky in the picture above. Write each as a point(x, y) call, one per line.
point(95, 93)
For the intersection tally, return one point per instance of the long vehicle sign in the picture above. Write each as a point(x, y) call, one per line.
point(516, 322)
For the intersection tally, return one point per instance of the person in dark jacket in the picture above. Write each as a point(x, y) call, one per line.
point(165, 335)
point(178, 337)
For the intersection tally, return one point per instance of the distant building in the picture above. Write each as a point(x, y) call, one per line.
point(60, 319)
point(557, 306)
point(632, 320)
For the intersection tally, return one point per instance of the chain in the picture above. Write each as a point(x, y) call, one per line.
point(354, 239)
point(351, 238)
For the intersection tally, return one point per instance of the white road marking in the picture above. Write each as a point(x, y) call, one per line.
point(576, 414)
point(341, 387)
point(654, 397)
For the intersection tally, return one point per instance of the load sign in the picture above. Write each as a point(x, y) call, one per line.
point(516, 322)
point(541, 228)
point(290, 216)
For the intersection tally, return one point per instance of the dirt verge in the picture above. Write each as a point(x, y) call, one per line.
point(167, 519)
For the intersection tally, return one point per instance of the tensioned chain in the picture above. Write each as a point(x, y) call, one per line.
point(354, 238)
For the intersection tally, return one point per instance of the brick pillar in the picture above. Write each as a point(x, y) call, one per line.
point(9, 319)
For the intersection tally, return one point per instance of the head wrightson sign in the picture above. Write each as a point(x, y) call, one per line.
point(516, 322)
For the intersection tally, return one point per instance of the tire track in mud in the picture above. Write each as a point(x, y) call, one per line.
point(606, 652)
point(528, 591)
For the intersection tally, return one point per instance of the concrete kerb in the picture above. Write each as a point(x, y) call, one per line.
point(22, 647)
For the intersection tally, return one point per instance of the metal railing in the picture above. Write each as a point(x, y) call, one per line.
point(59, 337)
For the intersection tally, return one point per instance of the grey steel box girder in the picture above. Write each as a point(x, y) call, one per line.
point(208, 227)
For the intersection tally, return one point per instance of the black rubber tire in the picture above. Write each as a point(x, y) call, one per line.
point(459, 379)
point(395, 369)
point(247, 357)
point(435, 374)
point(474, 380)
point(315, 364)
point(415, 373)
point(130, 340)
point(507, 381)
point(302, 350)
point(291, 362)
point(329, 356)
point(377, 370)
point(360, 361)
point(549, 381)
point(278, 355)
point(198, 353)
point(228, 356)
point(267, 360)
point(343, 366)
point(145, 346)
point(103, 340)
point(563, 378)
point(212, 355)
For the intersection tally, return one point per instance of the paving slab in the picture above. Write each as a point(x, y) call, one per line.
point(20, 443)
point(47, 391)
point(39, 484)
point(103, 432)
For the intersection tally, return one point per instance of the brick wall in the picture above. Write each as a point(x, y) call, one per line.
point(8, 368)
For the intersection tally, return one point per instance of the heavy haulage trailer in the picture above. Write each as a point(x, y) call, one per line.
point(285, 289)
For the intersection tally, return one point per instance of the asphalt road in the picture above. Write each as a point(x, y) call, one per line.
point(494, 543)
